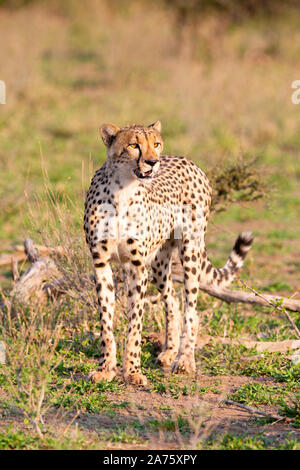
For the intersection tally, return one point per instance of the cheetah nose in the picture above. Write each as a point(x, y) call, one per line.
point(151, 162)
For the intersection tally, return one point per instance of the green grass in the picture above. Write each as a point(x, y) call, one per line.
point(259, 323)
point(292, 409)
point(17, 440)
point(89, 397)
point(170, 425)
point(282, 234)
point(14, 439)
point(256, 393)
point(277, 287)
point(221, 359)
point(119, 435)
point(244, 442)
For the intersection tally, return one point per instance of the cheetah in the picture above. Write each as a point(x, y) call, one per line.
point(140, 207)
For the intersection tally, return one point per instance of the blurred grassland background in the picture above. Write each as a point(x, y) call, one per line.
point(217, 74)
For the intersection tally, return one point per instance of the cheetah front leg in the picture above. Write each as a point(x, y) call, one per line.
point(137, 285)
point(106, 298)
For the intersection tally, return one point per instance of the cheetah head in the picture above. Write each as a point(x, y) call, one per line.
point(136, 149)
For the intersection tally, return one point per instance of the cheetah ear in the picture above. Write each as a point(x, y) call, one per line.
point(108, 133)
point(157, 126)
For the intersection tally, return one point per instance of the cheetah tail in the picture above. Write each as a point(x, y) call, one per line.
point(223, 277)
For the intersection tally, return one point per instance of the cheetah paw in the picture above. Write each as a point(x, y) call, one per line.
point(97, 376)
point(135, 379)
point(166, 358)
point(184, 365)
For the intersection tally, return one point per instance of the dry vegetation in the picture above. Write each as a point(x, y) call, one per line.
point(223, 93)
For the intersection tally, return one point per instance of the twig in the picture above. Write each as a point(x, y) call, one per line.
point(276, 305)
point(14, 269)
point(71, 422)
point(252, 410)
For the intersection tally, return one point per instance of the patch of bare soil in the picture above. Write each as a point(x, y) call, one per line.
point(206, 414)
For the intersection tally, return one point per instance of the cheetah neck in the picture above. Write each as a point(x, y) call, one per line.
point(122, 184)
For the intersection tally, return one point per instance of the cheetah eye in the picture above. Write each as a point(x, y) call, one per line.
point(133, 146)
point(156, 145)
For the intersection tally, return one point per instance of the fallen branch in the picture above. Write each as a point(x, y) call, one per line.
point(18, 253)
point(260, 346)
point(5, 258)
point(244, 297)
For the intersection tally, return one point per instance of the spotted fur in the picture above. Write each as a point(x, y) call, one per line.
point(140, 207)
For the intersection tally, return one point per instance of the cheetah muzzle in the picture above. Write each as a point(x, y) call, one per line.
point(153, 166)
point(140, 175)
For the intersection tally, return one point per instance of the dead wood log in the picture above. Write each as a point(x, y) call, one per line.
point(31, 285)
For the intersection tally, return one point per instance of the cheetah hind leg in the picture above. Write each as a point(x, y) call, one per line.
point(161, 267)
point(184, 365)
point(185, 360)
point(170, 351)
point(135, 379)
point(166, 358)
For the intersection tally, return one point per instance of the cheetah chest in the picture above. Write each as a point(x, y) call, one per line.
point(132, 221)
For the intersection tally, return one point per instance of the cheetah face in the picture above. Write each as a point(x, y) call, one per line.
point(136, 149)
